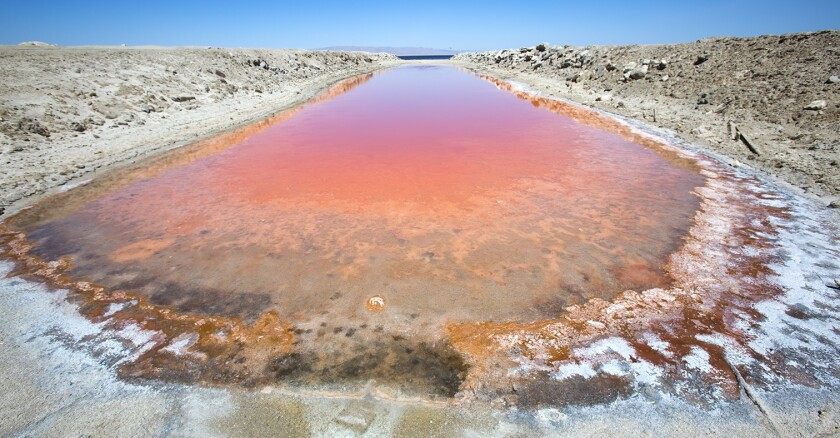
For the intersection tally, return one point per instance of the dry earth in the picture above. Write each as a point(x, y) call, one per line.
point(66, 112)
point(781, 93)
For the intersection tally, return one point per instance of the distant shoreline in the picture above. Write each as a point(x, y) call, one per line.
point(416, 57)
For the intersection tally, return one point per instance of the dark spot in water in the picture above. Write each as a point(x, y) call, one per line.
point(290, 364)
point(398, 337)
point(205, 232)
point(422, 368)
point(350, 332)
point(323, 324)
point(338, 330)
point(335, 296)
point(414, 315)
point(363, 326)
point(204, 301)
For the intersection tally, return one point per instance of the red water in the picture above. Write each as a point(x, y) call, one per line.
point(426, 185)
point(446, 198)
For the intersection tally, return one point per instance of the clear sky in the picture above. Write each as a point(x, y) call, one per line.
point(479, 25)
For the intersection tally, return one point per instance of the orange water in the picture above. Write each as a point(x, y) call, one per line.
point(445, 197)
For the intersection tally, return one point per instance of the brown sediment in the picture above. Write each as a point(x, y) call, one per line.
point(222, 350)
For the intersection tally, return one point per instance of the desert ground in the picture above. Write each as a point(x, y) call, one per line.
point(768, 106)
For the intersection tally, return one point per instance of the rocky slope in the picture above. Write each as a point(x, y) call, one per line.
point(65, 112)
point(772, 102)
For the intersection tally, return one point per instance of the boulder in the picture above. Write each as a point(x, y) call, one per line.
point(833, 80)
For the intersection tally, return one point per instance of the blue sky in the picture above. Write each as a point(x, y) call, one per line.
point(439, 24)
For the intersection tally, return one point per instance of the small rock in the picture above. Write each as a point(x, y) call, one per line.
point(147, 109)
point(541, 47)
point(604, 98)
point(834, 204)
point(611, 66)
point(701, 59)
point(182, 98)
point(662, 65)
point(635, 74)
point(78, 127)
point(32, 126)
point(816, 105)
point(665, 78)
point(220, 74)
point(833, 80)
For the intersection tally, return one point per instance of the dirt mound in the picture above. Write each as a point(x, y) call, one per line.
point(65, 112)
point(770, 101)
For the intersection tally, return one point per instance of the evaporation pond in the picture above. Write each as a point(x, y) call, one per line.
point(449, 198)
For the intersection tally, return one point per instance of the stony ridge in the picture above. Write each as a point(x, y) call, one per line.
point(781, 93)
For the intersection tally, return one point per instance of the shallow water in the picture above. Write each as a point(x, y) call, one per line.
point(368, 221)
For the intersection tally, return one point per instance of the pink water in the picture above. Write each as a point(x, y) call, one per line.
point(448, 198)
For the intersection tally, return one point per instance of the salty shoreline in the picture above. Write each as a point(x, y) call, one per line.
point(795, 409)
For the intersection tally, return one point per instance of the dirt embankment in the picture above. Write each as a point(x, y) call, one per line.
point(65, 112)
point(772, 102)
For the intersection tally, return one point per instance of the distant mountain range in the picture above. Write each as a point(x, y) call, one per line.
point(399, 51)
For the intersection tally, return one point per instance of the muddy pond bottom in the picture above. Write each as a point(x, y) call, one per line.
point(367, 221)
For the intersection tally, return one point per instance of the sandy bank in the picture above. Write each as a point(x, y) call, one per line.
point(67, 112)
point(781, 93)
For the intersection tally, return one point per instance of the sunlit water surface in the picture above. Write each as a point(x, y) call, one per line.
point(430, 189)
